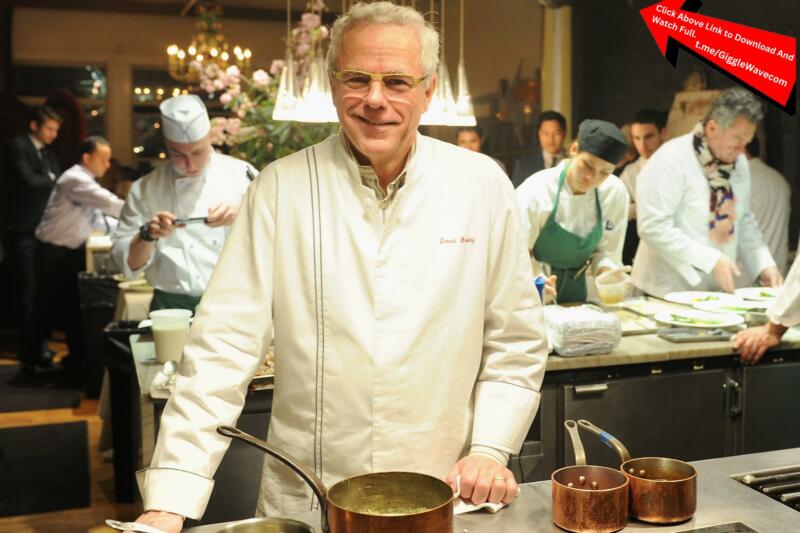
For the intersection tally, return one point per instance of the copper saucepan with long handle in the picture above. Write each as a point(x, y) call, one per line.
point(588, 499)
point(400, 502)
point(662, 490)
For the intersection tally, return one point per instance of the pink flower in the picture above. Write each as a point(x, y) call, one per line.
point(260, 77)
point(225, 98)
point(309, 20)
point(324, 32)
point(276, 67)
point(219, 84)
point(232, 71)
point(302, 49)
point(234, 89)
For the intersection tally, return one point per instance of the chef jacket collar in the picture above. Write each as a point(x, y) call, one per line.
point(363, 171)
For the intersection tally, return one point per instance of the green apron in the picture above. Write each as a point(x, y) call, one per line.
point(567, 253)
point(171, 300)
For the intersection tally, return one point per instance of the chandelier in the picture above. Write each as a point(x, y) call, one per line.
point(207, 47)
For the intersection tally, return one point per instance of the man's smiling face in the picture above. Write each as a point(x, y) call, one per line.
point(381, 124)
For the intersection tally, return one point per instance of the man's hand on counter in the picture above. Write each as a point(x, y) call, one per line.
point(221, 215)
point(166, 522)
point(483, 479)
point(770, 277)
point(752, 343)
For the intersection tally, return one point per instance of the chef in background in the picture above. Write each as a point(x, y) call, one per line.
point(783, 313)
point(156, 234)
point(575, 214)
point(693, 206)
point(389, 269)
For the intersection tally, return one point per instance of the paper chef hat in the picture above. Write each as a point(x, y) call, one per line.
point(184, 119)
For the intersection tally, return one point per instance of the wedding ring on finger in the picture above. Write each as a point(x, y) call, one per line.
point(500, 478)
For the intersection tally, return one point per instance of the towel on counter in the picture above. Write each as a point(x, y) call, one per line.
point(581, 330)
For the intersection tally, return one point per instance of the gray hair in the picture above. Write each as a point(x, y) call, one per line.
point(388, 13)
point(733, 103)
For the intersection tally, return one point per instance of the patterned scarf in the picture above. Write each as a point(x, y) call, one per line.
point(723, 205)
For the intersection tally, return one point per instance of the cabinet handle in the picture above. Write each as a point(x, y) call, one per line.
point(591, 389)
point(735, 399)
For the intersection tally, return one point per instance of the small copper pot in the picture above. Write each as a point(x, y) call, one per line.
point(662, 491)
point(397, 502)
point(588, 499)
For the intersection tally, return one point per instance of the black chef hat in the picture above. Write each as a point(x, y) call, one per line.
point(602, 139)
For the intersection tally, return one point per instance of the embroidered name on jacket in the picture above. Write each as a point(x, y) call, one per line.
point(464, 239)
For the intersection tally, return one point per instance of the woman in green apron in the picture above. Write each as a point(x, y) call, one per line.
point(575, 214)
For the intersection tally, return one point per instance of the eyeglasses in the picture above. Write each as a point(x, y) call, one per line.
point(357, 80)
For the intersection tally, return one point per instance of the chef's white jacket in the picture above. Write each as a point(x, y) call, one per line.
point(76, 206)
point(183, 261)
point(785, 310)
point(401, 336)
point(672, 211)
point(577, 213)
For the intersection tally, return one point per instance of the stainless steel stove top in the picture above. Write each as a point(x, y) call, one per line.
point(781, 484)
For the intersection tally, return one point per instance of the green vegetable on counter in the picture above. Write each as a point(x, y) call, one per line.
point(695, 321)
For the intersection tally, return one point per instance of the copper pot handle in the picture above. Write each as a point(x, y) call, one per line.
point(577, 445)
point(608, 439)
point(300, 469)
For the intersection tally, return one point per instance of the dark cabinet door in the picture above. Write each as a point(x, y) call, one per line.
point(682, 415)
point(769, 414)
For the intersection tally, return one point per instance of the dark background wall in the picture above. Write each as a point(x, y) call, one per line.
point(617, 69)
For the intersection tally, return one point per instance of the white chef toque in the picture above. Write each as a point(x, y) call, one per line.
point(184, 119)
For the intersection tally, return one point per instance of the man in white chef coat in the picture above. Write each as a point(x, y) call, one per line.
point(693, 206)
point(390, 271)
point(783, 313)
point(197, 183)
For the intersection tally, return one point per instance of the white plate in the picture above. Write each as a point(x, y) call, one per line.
point(685, 317)
point(759, 294)
point(738, 308)
point(693, 297)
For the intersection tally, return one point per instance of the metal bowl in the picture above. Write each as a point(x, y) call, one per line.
point(267, 525)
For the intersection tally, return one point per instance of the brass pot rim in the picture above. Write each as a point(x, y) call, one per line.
point(595, 491)
point(332, 503)
point(643, 479)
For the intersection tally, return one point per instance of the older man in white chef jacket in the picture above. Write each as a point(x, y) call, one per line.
point(392, 270)
point(783, 314)
point(693, 206)
point(177, 218)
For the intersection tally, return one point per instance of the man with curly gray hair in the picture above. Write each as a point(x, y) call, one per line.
point(693, 207)
point(390, 272)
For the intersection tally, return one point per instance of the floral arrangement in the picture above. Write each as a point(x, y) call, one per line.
point(249, 132)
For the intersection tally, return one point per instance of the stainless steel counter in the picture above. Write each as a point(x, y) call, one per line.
point(721, 500)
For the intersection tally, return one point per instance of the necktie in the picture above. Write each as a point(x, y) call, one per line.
point(46, 163)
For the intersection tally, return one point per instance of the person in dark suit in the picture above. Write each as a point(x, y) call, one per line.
point(551, 131)
point(32, 171)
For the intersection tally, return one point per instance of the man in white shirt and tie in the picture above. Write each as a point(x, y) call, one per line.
point(76, 206)
point(177, 218)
